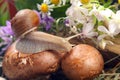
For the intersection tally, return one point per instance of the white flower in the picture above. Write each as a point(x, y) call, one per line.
point(45, 7)
point(58, 2)
point(75, 2)
point(73, 29)
point(107, 13)
point(63, 2)
point(101, 15)
point(84, 1)
point(116, 18)
point(112, 30)
point(88, 30)
point(76, 15)
point(46, 1)
point(102, 44)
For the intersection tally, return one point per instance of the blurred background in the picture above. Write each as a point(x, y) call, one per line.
point(8, 8)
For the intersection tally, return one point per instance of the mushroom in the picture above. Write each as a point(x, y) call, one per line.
point(83, 62)
point(20, 66)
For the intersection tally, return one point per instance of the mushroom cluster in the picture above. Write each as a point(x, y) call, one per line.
point(36, 53)
point(21, 66)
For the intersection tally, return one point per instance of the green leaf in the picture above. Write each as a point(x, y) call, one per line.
point(100, 23)
point(4, 18)
point(102, 1)
point(94, 20)
point(60, 11)
point(4, 12)
point(108, 3)
point(29, 4)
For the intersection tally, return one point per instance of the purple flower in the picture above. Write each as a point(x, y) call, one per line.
point(66, 22)
point(6, 34)
point(47, 20)
point(6, 30)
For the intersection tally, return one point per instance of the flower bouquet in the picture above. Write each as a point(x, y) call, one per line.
point(62, 40)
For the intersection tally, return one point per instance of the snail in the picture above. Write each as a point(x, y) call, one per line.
point(24, 25)
point(83, 62)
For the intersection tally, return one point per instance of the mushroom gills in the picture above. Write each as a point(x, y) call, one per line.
point(39, 41)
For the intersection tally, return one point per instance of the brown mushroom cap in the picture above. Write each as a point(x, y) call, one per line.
point(20, 66)
point(84, 62)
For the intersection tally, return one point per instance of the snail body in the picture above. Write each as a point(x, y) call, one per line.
point(39, 41)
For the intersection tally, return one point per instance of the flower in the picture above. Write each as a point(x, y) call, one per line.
point(88, 31)
point(45, 7)
point(75, 3)
point(101, 14)
point(58, 2)
point(85, 1)
point(47, 21)
point(112, 30)
point(118, 1)
point(73, 29)
point(102, 44)
point(116, 17)
point(76, 15)
point(6, 29)
point(6, 34)
point(64, 2)
point(79, 15)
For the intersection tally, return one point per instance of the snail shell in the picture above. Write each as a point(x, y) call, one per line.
point(25, 20)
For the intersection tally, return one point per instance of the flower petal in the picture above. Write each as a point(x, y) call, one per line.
point(91, 34)
point(101, 37)
point(88, 27)
point(102, 44)
point(103, 29)
point(114, 28)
